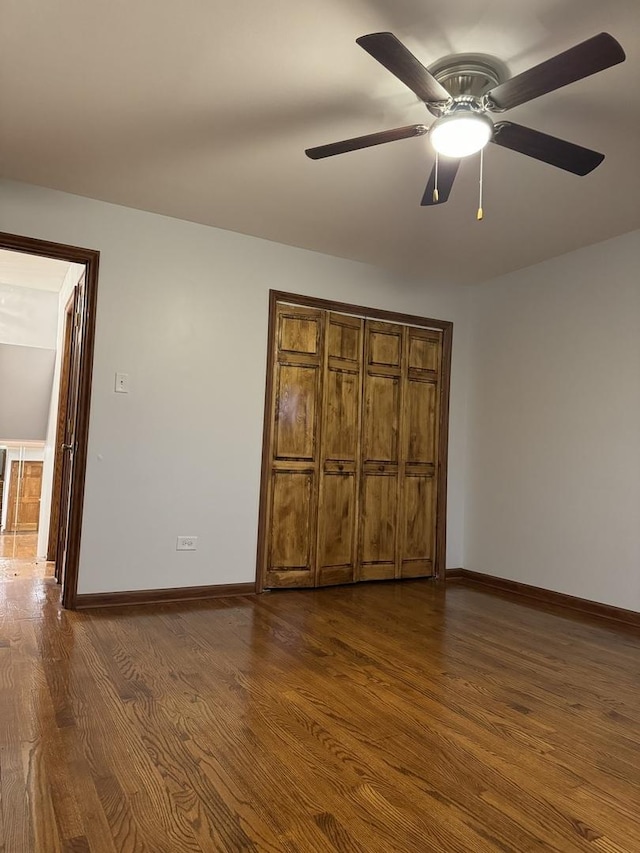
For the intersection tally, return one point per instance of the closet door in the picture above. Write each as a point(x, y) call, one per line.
point(352, 465)
point(295, 447)
point(339, 455)
point(421, 375)
point(378, 551)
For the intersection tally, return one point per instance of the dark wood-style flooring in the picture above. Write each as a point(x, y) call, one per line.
point(376, 718)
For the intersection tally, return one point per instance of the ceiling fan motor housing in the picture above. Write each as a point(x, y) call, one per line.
point(467, 78)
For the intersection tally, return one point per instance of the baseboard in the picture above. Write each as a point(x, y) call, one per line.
point(546, 596)
point(162, 596)
point(454, 574)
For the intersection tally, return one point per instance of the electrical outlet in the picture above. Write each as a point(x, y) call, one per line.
point(187, 543)
point(122, 383)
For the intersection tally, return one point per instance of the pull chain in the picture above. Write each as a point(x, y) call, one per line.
point(436, 196)
point(480, 213)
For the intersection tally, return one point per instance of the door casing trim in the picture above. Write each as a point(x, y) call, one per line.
point(91, 260)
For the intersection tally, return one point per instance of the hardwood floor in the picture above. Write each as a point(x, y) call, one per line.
point(18, 545)
point(18, 558)
point(377, 718)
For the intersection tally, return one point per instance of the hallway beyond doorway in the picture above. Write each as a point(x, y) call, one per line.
point(18, 558)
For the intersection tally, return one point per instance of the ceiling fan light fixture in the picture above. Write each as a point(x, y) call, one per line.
point(459, 135)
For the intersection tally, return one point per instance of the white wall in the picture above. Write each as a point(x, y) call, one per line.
point(554, 423)
point(71, 279)
point(26, 377)
point(182, 308)
point(28, 317)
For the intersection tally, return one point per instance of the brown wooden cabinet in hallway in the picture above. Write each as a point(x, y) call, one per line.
point(353, 431)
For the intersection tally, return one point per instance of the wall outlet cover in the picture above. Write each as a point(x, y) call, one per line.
point(186, 543)
point(122, 383)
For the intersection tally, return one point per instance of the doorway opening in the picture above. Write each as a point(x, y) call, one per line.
point(48, 295)
point(21, 466)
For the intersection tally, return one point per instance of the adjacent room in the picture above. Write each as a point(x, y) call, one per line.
point(319, 427)
point(36, 294)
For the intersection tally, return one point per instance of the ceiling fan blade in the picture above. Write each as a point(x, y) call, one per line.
point(549, 149)
point(365, 141)
point(447, 171)
point(395, 57)
point(588, 57)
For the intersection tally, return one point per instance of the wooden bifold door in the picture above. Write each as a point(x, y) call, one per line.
point(25, 485)
point(352, 474)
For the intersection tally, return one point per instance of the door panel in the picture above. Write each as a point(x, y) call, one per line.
point(418, 526)
point(70, 426)
point(421, 404)
point(345, 339)
point(384, 344)
point(293, 524)
point(23, 510)
point(291, 529)
point(381, 417)
point(29, 512)
point(337, 524)
point(380, 451)
point(292, 505)
point(378, 521)
point(419, 466)
point(63, 395)
point(424, 350)
point(338, 499)
point(297, 393)
point(342, 395)
point(298, 333)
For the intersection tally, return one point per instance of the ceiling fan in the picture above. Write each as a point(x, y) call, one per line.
point(462, 90)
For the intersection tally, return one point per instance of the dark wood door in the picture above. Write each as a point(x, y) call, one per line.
point(380, 451)
point(63, 396)
point(70, 426)
point(295, 448)
point(421, 372)
point(25, 485)
point(339, 450)
point(352, 493)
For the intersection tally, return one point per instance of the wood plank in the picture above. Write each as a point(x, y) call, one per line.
point(401, 716)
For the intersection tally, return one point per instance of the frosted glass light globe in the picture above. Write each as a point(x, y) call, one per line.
point(460, 135)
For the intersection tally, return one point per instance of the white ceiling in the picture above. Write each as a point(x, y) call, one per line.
point(22, 270)
point(202, 110)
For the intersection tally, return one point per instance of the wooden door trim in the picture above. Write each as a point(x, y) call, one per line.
point(358, 310)
point(63, 393)
point(445, 326)
point(91, 260)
